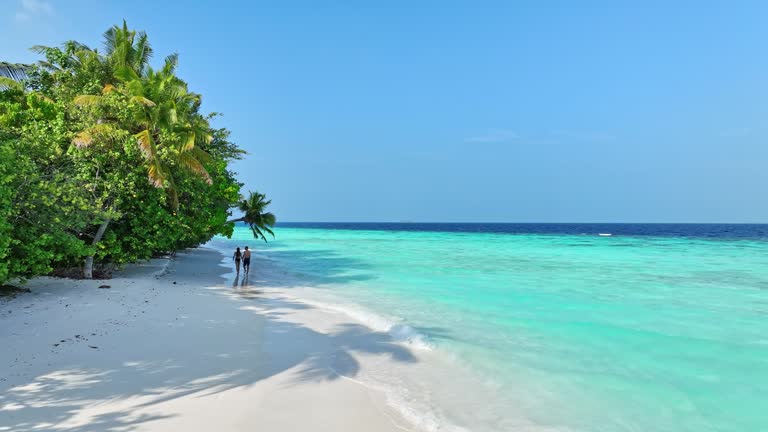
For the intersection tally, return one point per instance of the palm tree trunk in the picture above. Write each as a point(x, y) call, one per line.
point(88, 269)
point(236, 220)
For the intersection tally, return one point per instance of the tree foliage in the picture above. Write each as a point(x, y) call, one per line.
point(104, 159)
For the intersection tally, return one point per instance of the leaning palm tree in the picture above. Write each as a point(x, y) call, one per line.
point(254, 214)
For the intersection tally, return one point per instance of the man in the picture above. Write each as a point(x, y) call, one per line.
point(246, 259)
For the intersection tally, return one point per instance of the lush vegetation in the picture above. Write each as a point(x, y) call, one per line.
point(105, 160)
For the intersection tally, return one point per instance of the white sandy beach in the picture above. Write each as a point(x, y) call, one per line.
point(172, 345)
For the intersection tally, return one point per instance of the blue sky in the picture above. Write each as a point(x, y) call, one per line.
point(467, 111)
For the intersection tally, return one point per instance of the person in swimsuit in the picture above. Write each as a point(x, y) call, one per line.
point(237, 257)
point(246, 260)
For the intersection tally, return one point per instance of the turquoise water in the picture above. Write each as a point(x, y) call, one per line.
point(581, 333)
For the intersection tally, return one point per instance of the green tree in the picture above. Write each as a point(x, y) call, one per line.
point(163, 119)
point(7, 174)
point(106, 160)
point(45, 209)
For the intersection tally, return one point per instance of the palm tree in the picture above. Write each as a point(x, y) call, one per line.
point(162, 105)
point(127, 48)
point(255, 216)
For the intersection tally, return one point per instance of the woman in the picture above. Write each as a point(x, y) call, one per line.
point(237, 257)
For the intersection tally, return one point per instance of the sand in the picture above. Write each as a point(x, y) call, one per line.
point(172, 345)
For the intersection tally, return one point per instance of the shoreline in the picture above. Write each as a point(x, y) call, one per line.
point(173, 345)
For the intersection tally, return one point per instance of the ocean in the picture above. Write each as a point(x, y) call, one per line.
point(559, 327)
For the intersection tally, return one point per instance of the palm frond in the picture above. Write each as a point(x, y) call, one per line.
point(86, 137)
point(14, 71)
point(126, 74)
point(272, 233)
point(156, 174)
point(8, 83)
point(40, 49)
point(48, 65)
point(257, 232)
point(201, 155)
point(171, 115)
point(170, 63)
point(82, 139)
point(142, 100)
point(87, 100)
point(73, 46)
point(144, 52)
point(146, 145)
point(135, 88)
point(269, 219)
point(110, 40)
point(193, 165)
point(189, 140)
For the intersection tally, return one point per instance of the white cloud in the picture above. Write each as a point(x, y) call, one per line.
point(30, 8)
point(494, 136)
point(597, 136)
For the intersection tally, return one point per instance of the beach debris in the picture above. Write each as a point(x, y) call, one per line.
point(104, 286)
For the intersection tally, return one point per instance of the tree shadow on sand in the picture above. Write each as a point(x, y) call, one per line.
point(193, 358)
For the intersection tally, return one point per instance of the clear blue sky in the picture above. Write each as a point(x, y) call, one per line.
point(467, 111)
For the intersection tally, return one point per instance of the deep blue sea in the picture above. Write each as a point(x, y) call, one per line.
point(725, 231)
point(570, 327)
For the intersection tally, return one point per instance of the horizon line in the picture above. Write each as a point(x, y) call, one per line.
point(551, 223)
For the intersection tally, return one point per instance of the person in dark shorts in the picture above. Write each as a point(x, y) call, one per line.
point(246, 260)
point(237, 257)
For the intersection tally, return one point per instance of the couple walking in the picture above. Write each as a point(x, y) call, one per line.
point(245, 256)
